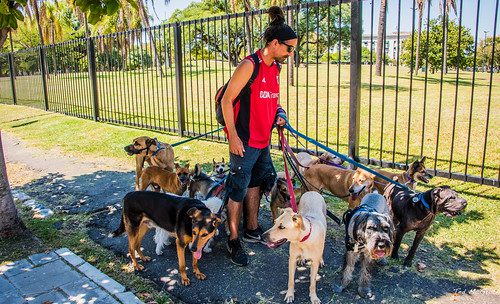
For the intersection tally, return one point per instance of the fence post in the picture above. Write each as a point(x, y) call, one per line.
point(355, 79)
point(93, 77)
point(12, 77)
point(44, 77)
point(179, 82)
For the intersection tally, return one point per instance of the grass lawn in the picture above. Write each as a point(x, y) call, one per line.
point(401, 117)
point(462, 249)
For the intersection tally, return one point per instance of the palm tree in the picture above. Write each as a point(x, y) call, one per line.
point(34, 5)
point(381, 36)
point(10, 223)
point(145, 21)
point(50, 16)
point(420, 7)
point(445, 10)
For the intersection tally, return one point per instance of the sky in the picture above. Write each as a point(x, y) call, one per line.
point(486, 14)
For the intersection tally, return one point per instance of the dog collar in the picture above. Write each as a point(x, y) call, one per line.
point(158, 147)
point(421, 198)
point(310, 230)
point(408, 177)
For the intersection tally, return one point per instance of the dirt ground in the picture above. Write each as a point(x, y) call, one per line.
point(96, 186)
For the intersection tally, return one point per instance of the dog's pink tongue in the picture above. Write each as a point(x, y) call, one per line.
point(380, 253)
point(197, 254)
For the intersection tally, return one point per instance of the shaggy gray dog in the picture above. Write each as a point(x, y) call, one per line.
point(369, 237)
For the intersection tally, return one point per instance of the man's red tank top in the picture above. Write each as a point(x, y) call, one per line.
point(256, 111)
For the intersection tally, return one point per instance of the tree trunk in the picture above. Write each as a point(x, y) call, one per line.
point(248, 26)
point(291, 59)
point(420, 14)
point(145, 20)
point(445, 42)
point(10, 223)
point(3, 36)
point(380, 37)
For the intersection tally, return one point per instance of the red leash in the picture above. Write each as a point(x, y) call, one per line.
point(288, 179)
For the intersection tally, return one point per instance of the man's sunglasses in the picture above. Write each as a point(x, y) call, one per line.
point(289, 48)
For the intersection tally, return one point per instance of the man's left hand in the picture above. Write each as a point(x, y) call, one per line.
point(280, 121)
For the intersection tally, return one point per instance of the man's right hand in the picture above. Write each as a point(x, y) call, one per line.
point(235, 145)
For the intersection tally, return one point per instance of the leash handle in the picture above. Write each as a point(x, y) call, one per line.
point(293, 203)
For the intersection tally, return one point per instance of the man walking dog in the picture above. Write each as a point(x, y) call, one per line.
point(250, 108)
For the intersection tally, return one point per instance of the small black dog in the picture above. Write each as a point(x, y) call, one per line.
point(417, 212)
point(188, 219)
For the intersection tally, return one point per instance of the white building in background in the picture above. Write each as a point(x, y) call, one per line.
point(391, 43)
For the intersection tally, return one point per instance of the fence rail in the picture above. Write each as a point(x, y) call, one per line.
point(165, 77)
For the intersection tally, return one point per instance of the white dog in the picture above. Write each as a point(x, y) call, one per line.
point(306, 231)
point(162, 237)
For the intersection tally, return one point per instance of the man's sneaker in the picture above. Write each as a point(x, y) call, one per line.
point(253, 236)
point(238, 255)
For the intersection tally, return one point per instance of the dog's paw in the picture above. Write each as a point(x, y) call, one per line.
point(366, 293)
point(185, 281)
point(315, 299)
point(138, 267)
point(159, 252)
point(207, 249)
point(289, 297)
point(146, 258)
point(200, 276)
point(338, 288)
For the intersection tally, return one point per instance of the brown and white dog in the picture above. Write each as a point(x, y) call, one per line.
point(219, 170)
point(155, 153)
point(168, 181)
point(416, 172)
point(306, 232)
point(349, 185)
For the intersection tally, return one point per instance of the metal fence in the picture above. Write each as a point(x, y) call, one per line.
point(165, 78)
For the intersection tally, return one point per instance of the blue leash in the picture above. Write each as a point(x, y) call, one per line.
point(343, 157)
point(196, 137)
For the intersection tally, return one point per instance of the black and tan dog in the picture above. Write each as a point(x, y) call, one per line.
point(416, 173)
point(188, 219)
point(417, 212)
point(168, 181)
point(155, 153)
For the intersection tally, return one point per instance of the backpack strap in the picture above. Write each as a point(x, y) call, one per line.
point(256, 65)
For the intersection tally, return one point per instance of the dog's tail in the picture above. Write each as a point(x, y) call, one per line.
point(120, 229)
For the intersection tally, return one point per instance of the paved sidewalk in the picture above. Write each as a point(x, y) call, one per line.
point(59, 277)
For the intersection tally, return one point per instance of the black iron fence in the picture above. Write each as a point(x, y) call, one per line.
point(165, 77)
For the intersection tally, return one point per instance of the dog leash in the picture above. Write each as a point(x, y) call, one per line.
point(341, 156)
point(293, 203)
point(195, 137)
point(303, 180)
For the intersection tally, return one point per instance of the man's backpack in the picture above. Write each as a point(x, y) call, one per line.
point(220, 92)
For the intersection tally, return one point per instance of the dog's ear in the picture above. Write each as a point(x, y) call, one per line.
point(213, 160)
point(177, 166)
point(423, 159)
point(194, 213)
point(197, 169)
point(150, 142)
point(223, 160)
point(298, 221)
point(283, 210)
point(216, 220)
point(187, 166)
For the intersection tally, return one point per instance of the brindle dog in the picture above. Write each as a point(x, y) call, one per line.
point(417, 212)
point(188, 219)
point(155, 153)
point(416, 173)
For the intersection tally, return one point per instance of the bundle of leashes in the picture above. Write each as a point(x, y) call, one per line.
point(289, 157)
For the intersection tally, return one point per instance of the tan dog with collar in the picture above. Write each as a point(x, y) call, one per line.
point(155, 153)
point(349, 185)
point(306, 231)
